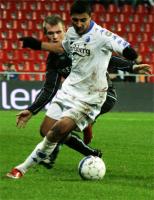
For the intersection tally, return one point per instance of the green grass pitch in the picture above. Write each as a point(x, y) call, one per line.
point(127, 142)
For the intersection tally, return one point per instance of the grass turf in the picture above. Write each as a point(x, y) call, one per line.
point(127, 142)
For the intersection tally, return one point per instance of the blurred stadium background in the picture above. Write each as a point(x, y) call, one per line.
point(131, 19)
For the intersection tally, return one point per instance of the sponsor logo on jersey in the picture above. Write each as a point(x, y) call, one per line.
point(81, 51)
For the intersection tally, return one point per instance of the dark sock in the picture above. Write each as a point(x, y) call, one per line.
point(78, 145)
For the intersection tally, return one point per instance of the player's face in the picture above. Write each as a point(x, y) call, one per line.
point(81, 22)
point(55, 33)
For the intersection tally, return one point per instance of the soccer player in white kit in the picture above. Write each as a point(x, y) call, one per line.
point(83, 92)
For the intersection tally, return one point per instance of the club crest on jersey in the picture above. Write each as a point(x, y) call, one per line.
point(87, 39)
point(81, 51)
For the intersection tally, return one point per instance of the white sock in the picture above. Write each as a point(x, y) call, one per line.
point(41, 151)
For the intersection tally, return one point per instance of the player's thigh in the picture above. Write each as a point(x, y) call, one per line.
point(66, 124)
point(52, 115)
point(46, 125)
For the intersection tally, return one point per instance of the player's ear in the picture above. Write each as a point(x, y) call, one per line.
point(64, 28)
point(44, 28)
point(92, 15)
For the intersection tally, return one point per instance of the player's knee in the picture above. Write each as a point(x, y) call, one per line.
point(42, 132)
point(60, 130)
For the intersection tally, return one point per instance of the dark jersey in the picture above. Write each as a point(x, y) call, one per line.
point(59, 65)
point(118, 63)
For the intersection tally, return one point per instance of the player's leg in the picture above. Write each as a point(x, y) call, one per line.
point(111, 99)
point(73, 142)
point(77, 144)
point(46, 125)
point(61, 128)
point(43, 149)
point(44, 128)
point(70, 119)
point(58, 132)
point(30, 161)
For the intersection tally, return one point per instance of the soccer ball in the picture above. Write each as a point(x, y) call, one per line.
point(91, 168)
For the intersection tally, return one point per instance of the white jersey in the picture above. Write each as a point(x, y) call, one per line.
point(90, 55)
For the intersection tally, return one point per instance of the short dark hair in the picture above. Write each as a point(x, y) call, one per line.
point(81, 6)
point(52, 20)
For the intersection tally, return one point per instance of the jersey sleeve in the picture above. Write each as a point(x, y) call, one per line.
point(47, 92)
point(121, 64)
point(113, 42)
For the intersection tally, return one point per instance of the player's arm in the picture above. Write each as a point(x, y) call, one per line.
point(47, 92)
point(52, 47)
point(120, 46)
point(35, 44)
point(117, 44)
point(128, 66)
point(130, 53)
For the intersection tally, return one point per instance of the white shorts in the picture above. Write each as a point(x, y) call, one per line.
point(63, 105)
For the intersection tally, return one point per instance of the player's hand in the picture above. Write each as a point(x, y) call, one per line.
point(30, 42)
point(142, 69)
point(22, 118)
